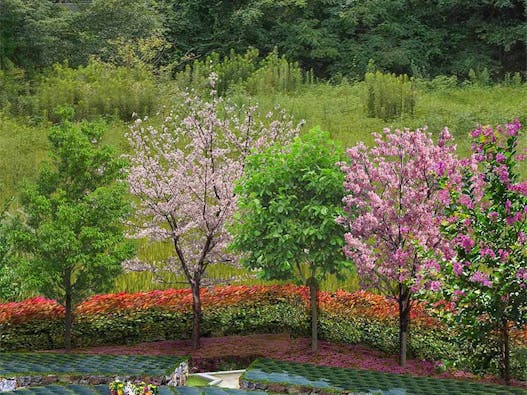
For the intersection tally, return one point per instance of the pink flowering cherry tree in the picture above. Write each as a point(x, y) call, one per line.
point(183, 175)
point(392, 211)
point(486, 221)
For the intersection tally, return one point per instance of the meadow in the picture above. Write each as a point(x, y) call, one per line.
point(113, 94)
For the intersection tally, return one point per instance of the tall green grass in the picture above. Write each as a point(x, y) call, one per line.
point(388, 95)
point(22, 148)
point(339, 110)
point(219, 274)
point(96, 90)
point(100, 90)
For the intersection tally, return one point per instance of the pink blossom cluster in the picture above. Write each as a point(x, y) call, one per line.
point(490, 163)
point(183, 174)
point(482, 278)
point(393, 201)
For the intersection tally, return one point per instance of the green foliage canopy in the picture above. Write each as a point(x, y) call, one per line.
point(288, 202)
point(71, 242)
point(339, 37)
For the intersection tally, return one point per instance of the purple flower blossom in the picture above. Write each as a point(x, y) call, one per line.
point(444, 197)
point(521, 274)
point(466, 201)
point(503, 173)
point(475, 133)
point(515, 218)
point(466, 242)
point(457, 267)
point(504, 255)
point(520, 188)
point(513, 128)
point(486, 251)
point(482, 278)
point(440, 168)
point(434, 286)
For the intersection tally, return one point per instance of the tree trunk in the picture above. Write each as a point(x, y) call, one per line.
point(404, 322)
point(68, 317)
point(505, 352)
point(313, 292)
point(196, 311)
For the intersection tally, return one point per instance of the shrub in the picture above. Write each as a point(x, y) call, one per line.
point(12, 85)
point(273, 74)
point(96, 90)
point(388, 96)
point(480, 77)
point(510, 79)
point(276, 75)
point(439, 83)
point(231, 71)
point(35, 323)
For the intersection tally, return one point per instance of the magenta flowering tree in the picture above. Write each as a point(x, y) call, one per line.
point(486, 220)
point(392, 206)
point(183, 175)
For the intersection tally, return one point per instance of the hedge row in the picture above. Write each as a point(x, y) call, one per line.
point(357, 317)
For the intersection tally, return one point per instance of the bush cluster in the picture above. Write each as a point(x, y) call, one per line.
point(246, 73)
point(388, 95)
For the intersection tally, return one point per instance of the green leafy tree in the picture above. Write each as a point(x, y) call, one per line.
point(298, 29)
point(288, 202)
point(103, 28)
point(71, 242)
point(33, 33)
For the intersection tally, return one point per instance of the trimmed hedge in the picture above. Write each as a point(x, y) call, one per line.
point(357, 317)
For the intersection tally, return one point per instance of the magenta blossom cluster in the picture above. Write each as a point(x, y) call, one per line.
point(393, 201)
point(496, 202)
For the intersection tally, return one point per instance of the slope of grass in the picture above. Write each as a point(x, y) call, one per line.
point(299, 377)
point(111, 365)
point(336, 108)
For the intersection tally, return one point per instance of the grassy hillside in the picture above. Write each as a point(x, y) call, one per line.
point(339, 109)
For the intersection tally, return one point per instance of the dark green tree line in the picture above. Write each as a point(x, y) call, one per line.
point(332, 37)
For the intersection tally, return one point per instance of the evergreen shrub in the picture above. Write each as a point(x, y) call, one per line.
point(96, 90)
